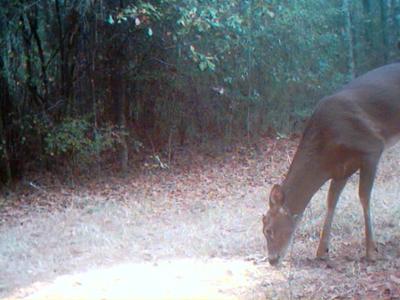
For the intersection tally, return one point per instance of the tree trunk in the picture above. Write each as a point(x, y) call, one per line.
point(395, 24)
point(61, 47)
point(29, 66)
point(32, 19)
point(349, 38)
point(117, 88)
point(124, 153)
point(5, 109)
point(385, 39)
point(92, 71)
point(367, 25)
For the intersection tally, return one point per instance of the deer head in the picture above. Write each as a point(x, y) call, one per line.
point(278, 226)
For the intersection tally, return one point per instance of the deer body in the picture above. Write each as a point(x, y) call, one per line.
point(348, 131)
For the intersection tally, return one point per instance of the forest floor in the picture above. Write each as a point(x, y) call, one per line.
point(193, 231)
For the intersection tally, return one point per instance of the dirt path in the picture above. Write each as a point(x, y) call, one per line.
point(197, 235)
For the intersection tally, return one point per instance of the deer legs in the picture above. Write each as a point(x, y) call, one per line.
point(367, 176)
point(335, 190)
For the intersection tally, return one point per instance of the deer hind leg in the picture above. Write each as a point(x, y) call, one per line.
point(367, 176)
point(335, 189)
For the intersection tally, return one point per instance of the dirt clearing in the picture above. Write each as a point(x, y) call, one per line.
point(195, 233)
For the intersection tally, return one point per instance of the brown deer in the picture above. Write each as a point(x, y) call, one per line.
point(347, 132)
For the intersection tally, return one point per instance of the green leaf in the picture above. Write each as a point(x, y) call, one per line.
point(110, 20)
point(210, 65)
point(203, 65)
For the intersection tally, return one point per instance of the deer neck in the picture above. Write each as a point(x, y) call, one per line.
point(303, 180)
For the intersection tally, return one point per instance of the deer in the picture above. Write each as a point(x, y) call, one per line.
point(347, 132)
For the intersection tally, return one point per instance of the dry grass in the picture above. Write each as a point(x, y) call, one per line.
point(47, 244)
point(181, 242)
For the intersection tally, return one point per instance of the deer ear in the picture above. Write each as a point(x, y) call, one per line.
point(277, 197)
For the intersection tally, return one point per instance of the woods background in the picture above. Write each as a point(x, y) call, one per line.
point(86, 83)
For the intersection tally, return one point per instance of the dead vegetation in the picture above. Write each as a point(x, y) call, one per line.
point(194, 232)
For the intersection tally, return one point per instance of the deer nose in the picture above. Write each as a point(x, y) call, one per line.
point(273, 261)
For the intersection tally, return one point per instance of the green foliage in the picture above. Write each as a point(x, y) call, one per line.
point(68, 138)
point(178, 70)
point(74, 139)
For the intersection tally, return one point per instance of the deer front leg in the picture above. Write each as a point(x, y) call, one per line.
point(367, 176)
point(335, 189)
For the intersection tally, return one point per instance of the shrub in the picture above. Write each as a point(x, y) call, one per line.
point(76, 141)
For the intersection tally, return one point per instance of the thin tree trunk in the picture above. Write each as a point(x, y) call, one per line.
point(29, 67)
point(367, 24)
point(118, 94)
point(395, 23)
point(349, 38)
point(5, 108)
point(124, 153)
point(93, 94)
point(33, 27)
point(385, 40)
point(249, 66)
point(4, 153)
point(61, 46)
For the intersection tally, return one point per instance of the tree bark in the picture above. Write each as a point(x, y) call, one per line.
point(124, 153)
point(29, 82)
point(349, 38)
point(117, 88)
point(5, 108)
point(385, 40)
point(61, 47)
point(395, 24)
point(34, 30)
point(367, 24)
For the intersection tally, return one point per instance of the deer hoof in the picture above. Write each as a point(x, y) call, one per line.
point(323, 253)
point(372, 254)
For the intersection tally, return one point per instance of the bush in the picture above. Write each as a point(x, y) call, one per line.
point(74, 140)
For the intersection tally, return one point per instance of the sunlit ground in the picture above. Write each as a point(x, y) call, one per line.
point(167, 279)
